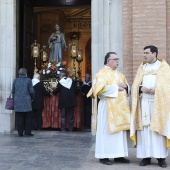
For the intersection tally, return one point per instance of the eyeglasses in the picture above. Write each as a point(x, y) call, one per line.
point(115, 59)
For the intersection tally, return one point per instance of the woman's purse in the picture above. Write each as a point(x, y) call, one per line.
point(9, 103)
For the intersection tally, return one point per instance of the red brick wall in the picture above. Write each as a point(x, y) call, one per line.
point(127, 40)
point(144, 23)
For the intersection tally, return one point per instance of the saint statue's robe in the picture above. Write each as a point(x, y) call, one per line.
point(57, 47)
point(112, 117)
point(150, 117)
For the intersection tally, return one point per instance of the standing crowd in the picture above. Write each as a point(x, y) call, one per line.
point(148, 119)
point(29, 101)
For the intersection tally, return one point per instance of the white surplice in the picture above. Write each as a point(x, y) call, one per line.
point(109, 145)
point(149, 143)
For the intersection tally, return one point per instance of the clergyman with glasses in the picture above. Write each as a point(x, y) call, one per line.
point(111, 118)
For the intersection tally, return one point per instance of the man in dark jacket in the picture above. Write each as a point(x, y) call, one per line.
point(23, 92)
point(38, 102)
point(87, 101)
point(67, 99)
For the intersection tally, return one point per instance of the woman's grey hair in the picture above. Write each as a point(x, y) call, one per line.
point(22, 71)
point(37, 76)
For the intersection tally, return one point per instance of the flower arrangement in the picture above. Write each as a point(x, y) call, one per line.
point(52, 69)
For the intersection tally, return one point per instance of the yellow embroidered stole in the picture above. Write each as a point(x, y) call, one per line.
point(118, 111)
point(161, 109)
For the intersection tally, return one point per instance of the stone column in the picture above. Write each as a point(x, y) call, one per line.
point(106, 20)
point(106, 31)
point(7, 61)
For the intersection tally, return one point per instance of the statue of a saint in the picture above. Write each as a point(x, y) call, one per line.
point(57, 44)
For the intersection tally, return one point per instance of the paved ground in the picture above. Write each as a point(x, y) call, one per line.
point(55, 150)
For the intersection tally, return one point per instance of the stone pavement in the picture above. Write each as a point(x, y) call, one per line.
point(55, 150)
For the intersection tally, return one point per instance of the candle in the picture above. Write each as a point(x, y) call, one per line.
point(44, 56)
point(74, 51)
point(79, 57)
point(35, 52)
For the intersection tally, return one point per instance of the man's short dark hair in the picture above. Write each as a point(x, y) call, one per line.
point(153, 49)
point(107, 56)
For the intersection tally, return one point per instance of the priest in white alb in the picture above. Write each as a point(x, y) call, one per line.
point(112, 117)
point(150, 119)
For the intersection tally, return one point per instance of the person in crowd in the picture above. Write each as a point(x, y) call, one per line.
point(67, 99)
point(38, 102)
point(150, 120)
point(23, 92)
point(86, 86)
point(112, 118)
point(57, 45)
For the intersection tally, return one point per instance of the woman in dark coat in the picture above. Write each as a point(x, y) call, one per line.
point(23, 92)
point(67, 99)
point(38, 102)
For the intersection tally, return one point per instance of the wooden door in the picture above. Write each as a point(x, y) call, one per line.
point(26, 36)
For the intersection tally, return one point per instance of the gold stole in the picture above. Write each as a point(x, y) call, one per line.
point(161, 111)
point(118, 111)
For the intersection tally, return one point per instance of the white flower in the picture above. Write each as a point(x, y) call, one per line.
point(43, 71)
point(49, 65)
point(48, 71)
point(58, 64)
point(60, 68)
point(58, 72)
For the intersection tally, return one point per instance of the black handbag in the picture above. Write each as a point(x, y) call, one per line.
point(9, 103)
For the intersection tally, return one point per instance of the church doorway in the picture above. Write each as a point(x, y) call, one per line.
point(37, 20)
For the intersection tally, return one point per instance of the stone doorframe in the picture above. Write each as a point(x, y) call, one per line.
point(106, 31)
point(107, 36)
point(8, 61)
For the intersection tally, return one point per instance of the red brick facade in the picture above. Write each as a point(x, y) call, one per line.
point(144, 23)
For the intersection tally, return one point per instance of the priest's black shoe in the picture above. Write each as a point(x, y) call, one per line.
point(106, 161)
point(162, 163)
point(145, 161)
point(122, 160)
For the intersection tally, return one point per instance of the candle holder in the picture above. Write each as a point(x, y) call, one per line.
point(35, 53)
point(73, 50)
point(44, 54)
point(79, 59)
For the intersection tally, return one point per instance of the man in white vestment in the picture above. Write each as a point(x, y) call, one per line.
point(150, 119)
point(112, 119)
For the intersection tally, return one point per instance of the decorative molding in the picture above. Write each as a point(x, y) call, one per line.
point(42, 3)
point(81, 24)
point(80, 13)
point(80, 18)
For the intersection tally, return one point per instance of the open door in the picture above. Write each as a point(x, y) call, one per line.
point(26, 36)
